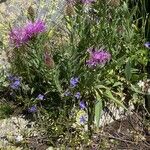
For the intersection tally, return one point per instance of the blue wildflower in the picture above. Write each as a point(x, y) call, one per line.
point(77, 95)
point(82, 119)
point(74, 82)
point(40, 97)
point(147, 45)
point(15, 85)
point(82, 105)
point(15, 82)
point(32, 109)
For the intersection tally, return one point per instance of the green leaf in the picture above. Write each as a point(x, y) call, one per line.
point(101, 87)
point(128, 70)
point(57, 81)
point(109, 95)
point(32, 90)
point(5, 110)
point(98, 109)
point(117, 84)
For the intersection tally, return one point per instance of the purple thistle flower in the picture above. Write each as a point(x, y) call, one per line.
point(40, 97)
point(77, 95)
point(34, 28)
point(97, 57)
point(32, 109)
point(20, 36)
point(29, 29)
point(147, 45)
point(39, 26)
point(82, 105)
point(74, 82)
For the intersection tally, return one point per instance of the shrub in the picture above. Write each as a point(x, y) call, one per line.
point(67, 84)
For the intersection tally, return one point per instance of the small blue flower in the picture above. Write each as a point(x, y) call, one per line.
point(147, 45)
point(82, 120)
point(82, 117)
point(15, 82)
point(32, 109)
point(74, 82)
point(82, 105)
point(77, 95)
point(40, 97)
point(15, 85)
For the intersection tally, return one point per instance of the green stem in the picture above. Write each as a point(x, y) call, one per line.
point(90, 115)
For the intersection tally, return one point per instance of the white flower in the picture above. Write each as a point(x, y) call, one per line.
point(19, 138)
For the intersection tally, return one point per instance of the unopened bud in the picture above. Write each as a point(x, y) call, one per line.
point(31, 13)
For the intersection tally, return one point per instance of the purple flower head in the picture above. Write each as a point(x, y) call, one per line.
point(32, 109)
point(15, 82)
point(77, 95)
point(33, 28)
point(97, 57)
point(74, 82)
point(20, 36)
point(147, 45)
point(40, 97)
point(39, 26)
point(82, 105)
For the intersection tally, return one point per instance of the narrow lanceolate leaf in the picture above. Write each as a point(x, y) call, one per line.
point(117, 84)
point(98, 109)
point(128, 70)
point(57, 81)
point(115, 100)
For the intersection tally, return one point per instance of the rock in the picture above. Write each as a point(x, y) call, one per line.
point(15, 130)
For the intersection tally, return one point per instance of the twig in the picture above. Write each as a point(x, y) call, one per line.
point(126, 141)
point(113, 137)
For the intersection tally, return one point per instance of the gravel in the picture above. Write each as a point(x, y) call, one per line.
point(15, 130)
